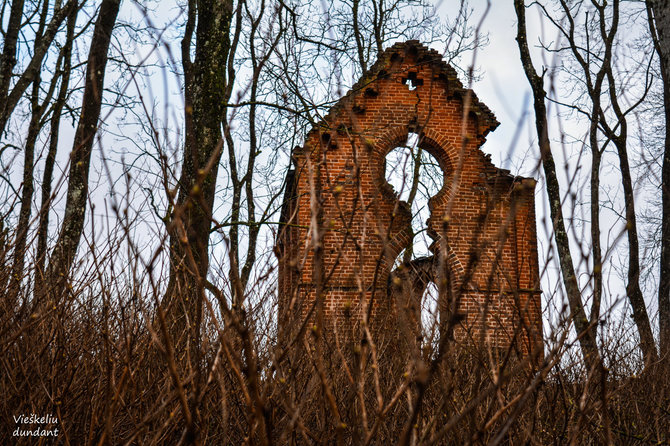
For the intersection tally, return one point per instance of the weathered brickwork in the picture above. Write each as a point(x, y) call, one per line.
point(482, 220)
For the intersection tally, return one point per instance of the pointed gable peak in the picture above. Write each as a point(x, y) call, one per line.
point(414, 53)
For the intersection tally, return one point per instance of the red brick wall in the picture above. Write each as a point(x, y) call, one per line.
point(483, 218)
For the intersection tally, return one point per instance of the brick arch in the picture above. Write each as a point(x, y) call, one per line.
point(395, 246)
point(430, 141)
point(443, 151)
point(453, 264)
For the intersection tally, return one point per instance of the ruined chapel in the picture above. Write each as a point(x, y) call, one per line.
point(343, 227)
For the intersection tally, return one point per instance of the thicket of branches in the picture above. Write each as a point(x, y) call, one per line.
point(138, 276)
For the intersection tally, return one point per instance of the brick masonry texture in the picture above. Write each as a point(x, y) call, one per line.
point(482, 221)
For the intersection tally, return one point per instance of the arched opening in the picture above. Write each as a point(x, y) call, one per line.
point(416, 176)
point(430, 316)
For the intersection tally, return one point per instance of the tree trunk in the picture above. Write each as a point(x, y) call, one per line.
point(9, 99)
point(27, 189)
point(8, 57)
point(659, 21)
point(47, 177)
point(28, 185)
point(80, 158)
point(205, 87)
point(633, 290)
point(587, 340)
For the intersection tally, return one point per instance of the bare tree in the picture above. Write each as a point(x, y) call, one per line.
point(586, 336)
point(39, 108)
point(594, 54)
point(206, 94)
point(659, 24)
point(11, 96)
point(64, 72)
point(66, 246)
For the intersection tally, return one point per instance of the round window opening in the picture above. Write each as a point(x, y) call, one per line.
point(416, 177)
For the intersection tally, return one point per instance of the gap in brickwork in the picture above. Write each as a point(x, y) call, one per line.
point(430, 316)
point(412, 81)
point(400, 168)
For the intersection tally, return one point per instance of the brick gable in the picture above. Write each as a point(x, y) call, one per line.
point(482, 220)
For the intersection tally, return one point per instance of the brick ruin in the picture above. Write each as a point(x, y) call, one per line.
point(482, 220)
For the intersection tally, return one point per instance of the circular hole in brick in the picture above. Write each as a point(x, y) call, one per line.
point(416, 177)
